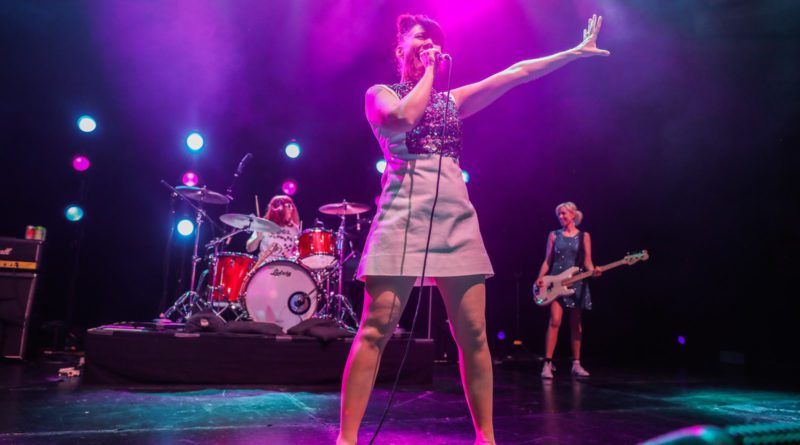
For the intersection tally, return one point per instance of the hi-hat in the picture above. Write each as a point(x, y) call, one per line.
point(344, 208)
point(202, 194)
point(249, 222)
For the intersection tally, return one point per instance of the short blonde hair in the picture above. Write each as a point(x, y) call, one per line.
point(569, 205)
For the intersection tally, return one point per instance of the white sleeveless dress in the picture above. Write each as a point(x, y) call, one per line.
point(397, 237)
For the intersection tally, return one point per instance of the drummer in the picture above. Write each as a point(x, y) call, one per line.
point(282, 244)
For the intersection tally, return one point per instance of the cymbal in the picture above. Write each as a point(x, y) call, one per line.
point(344, 208)
point(249, 222)
point(202, 195)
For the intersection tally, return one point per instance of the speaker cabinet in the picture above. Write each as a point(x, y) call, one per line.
point(16, 300)
point(19, 263)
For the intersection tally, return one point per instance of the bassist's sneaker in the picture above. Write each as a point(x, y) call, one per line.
point(547, 370)
point(578, 371)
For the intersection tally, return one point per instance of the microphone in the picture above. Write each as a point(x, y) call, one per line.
point(444, 56)
point(242, 163)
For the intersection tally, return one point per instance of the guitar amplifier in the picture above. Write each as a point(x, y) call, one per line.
point(19, 264)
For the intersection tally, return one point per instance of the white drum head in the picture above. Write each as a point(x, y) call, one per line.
point(281, 292)
point(317, 262)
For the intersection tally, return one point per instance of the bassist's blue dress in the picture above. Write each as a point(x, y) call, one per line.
point(565, 255)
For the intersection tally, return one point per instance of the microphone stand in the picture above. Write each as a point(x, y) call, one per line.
point(229, 191)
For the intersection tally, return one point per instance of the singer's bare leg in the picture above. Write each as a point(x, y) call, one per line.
point(384, 301)
point(465, 300)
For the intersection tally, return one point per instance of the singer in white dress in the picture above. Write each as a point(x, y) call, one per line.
point(407, 119)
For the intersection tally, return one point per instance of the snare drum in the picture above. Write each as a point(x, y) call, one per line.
point(317, 248)
point(230, 270)
point(281, 292)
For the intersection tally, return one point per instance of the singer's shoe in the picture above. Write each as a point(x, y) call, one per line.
point(547, 370)
point(578, 371)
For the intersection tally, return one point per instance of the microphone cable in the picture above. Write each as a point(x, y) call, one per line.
point(424, 262)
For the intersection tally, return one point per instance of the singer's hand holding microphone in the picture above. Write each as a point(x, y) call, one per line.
point(432, 56)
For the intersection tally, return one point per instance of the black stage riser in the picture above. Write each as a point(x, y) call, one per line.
point(132, 358)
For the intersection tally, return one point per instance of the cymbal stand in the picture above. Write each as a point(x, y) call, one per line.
point(184, 304)
point(343, 308)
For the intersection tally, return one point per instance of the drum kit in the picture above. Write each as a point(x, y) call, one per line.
point(285, 291)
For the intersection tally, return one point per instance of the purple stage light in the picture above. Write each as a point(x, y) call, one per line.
point(80, 163)
point(501, 335)
point(190, 179)
point(289, 187)
point(681, 340)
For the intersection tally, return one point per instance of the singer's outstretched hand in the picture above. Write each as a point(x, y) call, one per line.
point(588, 47)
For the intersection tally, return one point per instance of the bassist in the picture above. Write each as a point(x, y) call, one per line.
point(566, 248)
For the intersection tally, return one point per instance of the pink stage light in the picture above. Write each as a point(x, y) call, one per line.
point(80, 163)
point(289, 187)
point(190, 179)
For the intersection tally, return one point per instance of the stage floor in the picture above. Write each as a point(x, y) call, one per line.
point(614, 406)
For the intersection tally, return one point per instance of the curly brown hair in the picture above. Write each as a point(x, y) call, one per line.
point(277, 216)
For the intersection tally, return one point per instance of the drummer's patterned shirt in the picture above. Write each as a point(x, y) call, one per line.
point(280, 245)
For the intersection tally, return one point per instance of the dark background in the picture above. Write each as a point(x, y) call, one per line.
point(682, 143)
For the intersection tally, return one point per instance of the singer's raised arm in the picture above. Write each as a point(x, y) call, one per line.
point(476, 96)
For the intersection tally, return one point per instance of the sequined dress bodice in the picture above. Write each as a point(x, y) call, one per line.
point(426, 138)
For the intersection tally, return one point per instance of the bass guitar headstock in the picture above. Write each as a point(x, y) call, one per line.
point(634, 258)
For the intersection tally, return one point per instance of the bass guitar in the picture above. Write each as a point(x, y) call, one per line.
point(555, 286)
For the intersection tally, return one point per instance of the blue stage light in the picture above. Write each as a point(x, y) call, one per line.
point(185, 227)
point(381, 165)
point(465, 175)
point(292, 149)
point(86, 124)
point(74, 213)
point(195, 141)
